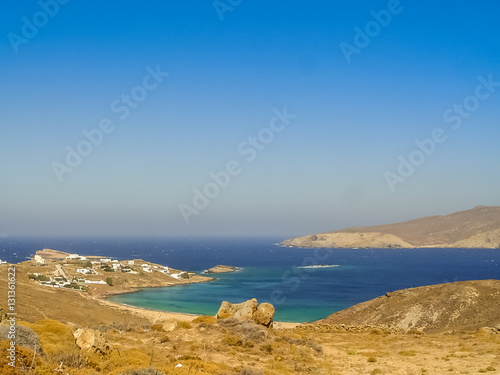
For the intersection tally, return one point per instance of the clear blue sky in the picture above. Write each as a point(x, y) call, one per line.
point(228, 69)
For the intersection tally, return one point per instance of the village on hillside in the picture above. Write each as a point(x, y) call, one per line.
point(74, 271)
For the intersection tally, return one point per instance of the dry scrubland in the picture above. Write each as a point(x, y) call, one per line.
point(231, 347)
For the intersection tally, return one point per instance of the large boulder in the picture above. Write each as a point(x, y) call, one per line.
point(248, 311)
point(264, 314)
point(88, 339)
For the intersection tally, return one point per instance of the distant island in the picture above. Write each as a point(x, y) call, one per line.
point(222, 269)
point(475, 228)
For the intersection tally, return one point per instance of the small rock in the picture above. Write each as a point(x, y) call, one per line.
point(169, 325)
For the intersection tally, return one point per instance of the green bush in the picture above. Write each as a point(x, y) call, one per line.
point(109, 281)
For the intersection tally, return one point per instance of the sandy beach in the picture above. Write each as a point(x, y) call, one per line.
point(155, 316)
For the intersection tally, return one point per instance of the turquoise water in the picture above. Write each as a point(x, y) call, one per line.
point(270, 273)
point(250, 282)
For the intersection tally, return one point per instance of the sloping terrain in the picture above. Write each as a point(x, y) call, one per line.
point(475, 228)
point(458, 306)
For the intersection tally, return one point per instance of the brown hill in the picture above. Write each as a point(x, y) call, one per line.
point(458, 306)
point(475, 228)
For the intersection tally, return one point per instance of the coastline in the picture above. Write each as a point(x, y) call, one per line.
point(156, 316)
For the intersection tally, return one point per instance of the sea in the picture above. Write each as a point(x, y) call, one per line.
point(284, 276)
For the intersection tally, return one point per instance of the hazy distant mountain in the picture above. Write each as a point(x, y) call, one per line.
point(476, 228)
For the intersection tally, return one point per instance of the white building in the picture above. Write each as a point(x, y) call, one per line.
point(131, 262)
point(75, 257)
point(39, 259)
point(95, 282)
point(105, 260)
point(84, 270)
point(116, 266)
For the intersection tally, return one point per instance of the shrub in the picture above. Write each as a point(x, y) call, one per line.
point(109, 281)
point(250, 371)
point(71, 359)
point(38, 277)
point(372, 359)
point(183, 324)
point(143, 371)
point(25, 337)
point(157, 327)
point(247, 330)
point(184, 275)
point(55, 337)
point(207, 319)
point(267, 348)
point(314, 346)
point(164, 339)
point(232, 340)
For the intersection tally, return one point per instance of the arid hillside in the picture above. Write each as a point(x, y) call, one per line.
point(475, 228)
point(458, 306)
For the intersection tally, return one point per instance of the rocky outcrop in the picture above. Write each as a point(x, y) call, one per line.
point(91, 340)
point(250, 310)
point(222, 269)
point(476, 228)
point(458, 306)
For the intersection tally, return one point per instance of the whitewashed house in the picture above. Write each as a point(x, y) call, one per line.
point(95, 282)
point(38, 259)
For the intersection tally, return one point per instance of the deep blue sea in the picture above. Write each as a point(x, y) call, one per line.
point(270, 273)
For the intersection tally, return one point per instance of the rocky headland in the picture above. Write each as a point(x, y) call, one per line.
point(442, 308)
point(475, 228)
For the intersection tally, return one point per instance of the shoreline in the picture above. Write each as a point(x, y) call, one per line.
point(157, 316)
